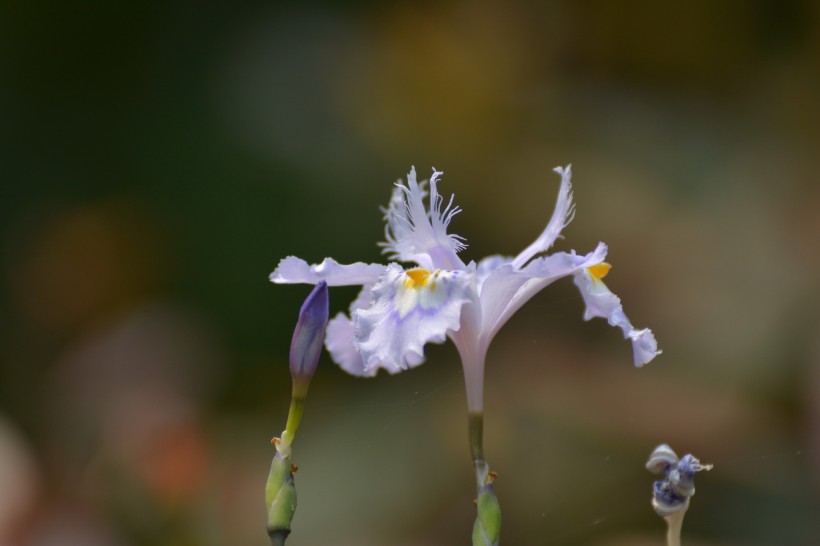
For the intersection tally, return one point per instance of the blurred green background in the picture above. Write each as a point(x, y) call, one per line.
point(158, 159)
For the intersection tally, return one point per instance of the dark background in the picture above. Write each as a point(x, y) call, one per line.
point(158, 159)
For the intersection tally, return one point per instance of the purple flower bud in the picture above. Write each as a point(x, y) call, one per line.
point(308, 337)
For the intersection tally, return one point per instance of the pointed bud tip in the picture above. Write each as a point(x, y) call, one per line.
point(309, 334)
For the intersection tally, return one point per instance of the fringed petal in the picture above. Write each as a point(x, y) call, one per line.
point(410, 308)
point(340, 340)
point(561, 217)
point(417, 234)
point(601, 302)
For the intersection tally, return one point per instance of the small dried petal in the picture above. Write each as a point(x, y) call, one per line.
point(661, 459)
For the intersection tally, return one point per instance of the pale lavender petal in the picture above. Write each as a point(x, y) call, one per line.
point(293, 270)
point(340, 339)
point(506, 289)
point(601, 302)
point(561, 217)
point(340, 344)
point(498, 299)
point(488, 265)
point(408, 313)
point(415, 233)
point(644, 346)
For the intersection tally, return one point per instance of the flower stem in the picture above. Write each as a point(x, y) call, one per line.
point(297, 408)
point(476, 430)
point(277, 538)
point(487, 526)
point(280, 492)
point(674, 522)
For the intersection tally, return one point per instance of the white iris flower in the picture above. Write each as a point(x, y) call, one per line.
point(399, 310)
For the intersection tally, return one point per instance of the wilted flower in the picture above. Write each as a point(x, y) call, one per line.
point(672, 493)
point(399, 310)
point(670, 496)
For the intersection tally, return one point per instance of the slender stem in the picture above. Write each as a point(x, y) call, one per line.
point(277, 538)
point(297, 407)
point(476, 427)
point(476, 430)
point(674, 522)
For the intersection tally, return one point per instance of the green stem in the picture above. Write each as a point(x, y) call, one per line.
point(476, 431)
point(280, 492)
point(297, 408)
point(487, 527)
point(476, 427)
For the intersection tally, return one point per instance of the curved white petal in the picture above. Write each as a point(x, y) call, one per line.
point(488, 265)
point(644, 346)
point(296, 270)
point(340, 337)
point(506, 289)
point(410, 309)
point(417, 234)
point(601, 302)
point(339, 343)
point(561, 217)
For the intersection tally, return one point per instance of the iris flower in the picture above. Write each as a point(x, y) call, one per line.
point(437, 295)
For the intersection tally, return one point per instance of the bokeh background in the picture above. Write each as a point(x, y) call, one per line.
point(158, 159)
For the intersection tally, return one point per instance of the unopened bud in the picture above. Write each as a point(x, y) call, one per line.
point(487, 526)
point(308, 337)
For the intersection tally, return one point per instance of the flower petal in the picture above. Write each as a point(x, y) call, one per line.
point(416, 234)
point(506, 288)
point(340, 344)
point(293, 270)
point(561, 217)
point(488, 265)
point(601, 302)
point(644, 346)
point(340, 339)
point(410, 308)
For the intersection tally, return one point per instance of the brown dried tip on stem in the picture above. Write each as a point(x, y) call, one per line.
point(294, 469)
point(491, 476)
point(475, 502)
point(275, 441)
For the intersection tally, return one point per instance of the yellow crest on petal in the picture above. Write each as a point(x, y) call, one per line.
point(416, 278)
point(599, 271)
point(419, 288)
